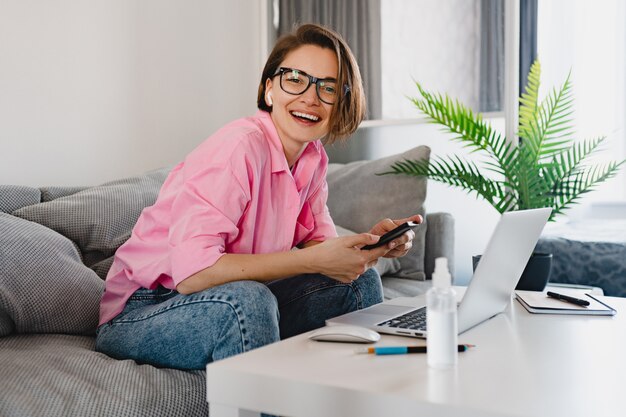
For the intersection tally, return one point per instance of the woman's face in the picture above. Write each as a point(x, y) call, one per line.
point(300, 119)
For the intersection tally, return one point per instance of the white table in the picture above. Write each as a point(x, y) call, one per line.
point(524, 365)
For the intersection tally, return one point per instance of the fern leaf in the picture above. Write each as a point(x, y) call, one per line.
point(455, 172)
point(468, 128)
point(571, 189)
point(546, 169)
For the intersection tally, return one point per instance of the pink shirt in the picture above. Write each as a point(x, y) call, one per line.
point(233, 194)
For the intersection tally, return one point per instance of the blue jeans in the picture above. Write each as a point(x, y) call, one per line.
point(167, 329)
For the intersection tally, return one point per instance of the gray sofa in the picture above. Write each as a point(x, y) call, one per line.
point(590, 252)
point(57, 243)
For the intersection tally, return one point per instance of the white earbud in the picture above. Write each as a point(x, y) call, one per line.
point(269, 99)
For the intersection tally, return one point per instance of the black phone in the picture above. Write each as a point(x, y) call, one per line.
point(392, 234)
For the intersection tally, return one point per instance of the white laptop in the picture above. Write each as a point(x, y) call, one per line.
point(489, 292)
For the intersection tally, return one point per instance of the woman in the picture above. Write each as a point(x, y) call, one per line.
point(209, 270)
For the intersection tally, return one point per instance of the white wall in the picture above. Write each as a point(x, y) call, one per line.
point(95, 90)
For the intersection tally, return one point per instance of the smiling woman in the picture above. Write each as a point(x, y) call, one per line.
point(327, 53)
point(298, 112)
point(214, 255)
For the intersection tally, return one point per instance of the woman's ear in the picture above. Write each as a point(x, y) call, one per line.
point(268, 98)
point(268, 92)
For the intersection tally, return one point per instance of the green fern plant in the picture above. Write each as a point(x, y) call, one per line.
point(546, 169)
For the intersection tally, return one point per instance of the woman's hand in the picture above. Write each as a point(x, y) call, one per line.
point(399, 246)
point(339, 258)
point(342, 258)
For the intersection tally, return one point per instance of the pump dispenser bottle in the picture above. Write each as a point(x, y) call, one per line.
point(441, 319)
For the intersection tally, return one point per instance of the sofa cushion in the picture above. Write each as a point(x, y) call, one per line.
point(52, 193)
point(44, 286)
point(99, 219)
point(401, 287)
point(61, 376)
point(591, 252)
point(358, 198)
point(13, 197)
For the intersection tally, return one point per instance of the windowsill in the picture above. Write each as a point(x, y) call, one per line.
point(417, 120)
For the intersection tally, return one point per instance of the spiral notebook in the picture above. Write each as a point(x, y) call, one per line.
point(539, 303)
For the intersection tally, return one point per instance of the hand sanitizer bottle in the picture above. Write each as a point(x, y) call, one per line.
point(441, 319)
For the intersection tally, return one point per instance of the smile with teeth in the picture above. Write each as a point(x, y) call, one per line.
point(311, 117)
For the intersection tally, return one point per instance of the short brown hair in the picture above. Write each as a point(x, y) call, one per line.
point(349, 110)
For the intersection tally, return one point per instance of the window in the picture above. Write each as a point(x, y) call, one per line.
point(440, 45)
point(589, 38)
point(449, 46)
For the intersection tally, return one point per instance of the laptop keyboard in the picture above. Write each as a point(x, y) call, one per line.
point(413, 320)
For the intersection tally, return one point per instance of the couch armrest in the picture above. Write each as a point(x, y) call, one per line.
point(439, 241)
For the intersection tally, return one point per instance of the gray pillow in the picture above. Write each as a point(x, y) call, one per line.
point(99, 219)
point(358, 199)
point(12, 197)
point(58, 375)
point(52, 193)
point(44, 286)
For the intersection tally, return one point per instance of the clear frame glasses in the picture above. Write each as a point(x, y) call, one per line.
point(296, 82)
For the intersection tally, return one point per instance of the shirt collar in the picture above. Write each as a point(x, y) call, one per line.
point(312, 154)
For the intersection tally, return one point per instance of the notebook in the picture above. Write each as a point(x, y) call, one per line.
point(488, 293)
point(539, 302)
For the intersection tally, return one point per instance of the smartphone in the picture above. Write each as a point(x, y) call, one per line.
point(392, 234)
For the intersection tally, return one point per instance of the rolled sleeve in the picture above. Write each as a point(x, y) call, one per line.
point(205, 215)
point(323, 225)
point(194, 255)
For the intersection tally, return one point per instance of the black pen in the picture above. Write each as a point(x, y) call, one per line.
point(577, 301)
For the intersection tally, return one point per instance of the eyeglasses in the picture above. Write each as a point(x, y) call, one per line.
point(296, 82)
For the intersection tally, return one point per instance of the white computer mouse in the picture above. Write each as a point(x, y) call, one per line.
point(345, 333)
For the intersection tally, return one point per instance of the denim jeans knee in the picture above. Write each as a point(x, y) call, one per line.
point(369, 287)
point(306, 301)
point(189, 331)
